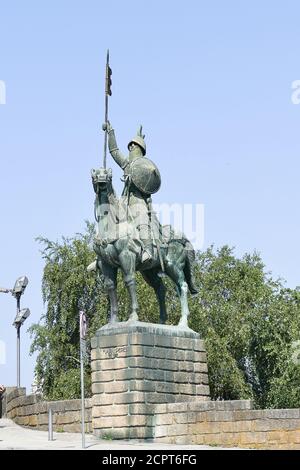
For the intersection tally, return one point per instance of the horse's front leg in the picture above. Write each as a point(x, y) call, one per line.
point(127, 261)
point(110, 283)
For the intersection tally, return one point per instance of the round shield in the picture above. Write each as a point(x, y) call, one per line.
point(145, 175)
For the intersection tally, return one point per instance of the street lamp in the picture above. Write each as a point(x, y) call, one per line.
point(21, 317)
point(18, 322)
point(17, 291)
point(19, 288)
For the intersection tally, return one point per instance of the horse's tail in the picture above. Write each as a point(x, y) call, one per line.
point(188, 268)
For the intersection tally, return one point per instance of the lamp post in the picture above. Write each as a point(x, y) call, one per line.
point(18, 322)
point(17, 292)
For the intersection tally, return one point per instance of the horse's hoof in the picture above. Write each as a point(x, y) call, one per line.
point(183, 324)
point(114, 319)
point(133, 317)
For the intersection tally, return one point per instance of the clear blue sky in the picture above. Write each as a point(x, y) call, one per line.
point(211, 83)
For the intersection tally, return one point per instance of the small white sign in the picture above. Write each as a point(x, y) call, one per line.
point(2, 92)
point(295, 97)
point(82, 325)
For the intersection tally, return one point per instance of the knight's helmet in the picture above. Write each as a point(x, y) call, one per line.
point(139, 140)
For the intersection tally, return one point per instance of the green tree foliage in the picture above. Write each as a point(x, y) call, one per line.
point(67, 288)
point(249, 322)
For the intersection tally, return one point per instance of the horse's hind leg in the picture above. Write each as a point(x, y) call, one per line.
point(175, 272)
point(110, 283)
point(152, 278)
point(184, 305)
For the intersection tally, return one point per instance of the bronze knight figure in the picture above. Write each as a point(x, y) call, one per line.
point(130, 237)
point(141, 180)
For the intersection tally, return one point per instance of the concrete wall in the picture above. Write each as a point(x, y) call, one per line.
point(31, 411)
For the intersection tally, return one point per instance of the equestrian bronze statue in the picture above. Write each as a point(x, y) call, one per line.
point(129, 236)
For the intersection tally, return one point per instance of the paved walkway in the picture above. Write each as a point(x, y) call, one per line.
point(14, 437)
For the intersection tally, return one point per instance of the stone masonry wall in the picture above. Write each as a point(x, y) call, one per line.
point(150, 382)
point(227, 424)
point(31, 411)
point(137, 364)
point(215, 423)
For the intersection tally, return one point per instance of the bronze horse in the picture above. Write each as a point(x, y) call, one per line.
point(117, 246)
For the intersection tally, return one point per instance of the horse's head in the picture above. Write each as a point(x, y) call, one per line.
point(105, 200)
point(102, 179)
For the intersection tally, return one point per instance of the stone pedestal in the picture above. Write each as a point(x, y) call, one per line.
point(135, 367)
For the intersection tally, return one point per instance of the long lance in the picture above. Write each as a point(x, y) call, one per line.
point(107, 92)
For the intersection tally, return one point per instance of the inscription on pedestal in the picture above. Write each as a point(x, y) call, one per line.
point(114, 352)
